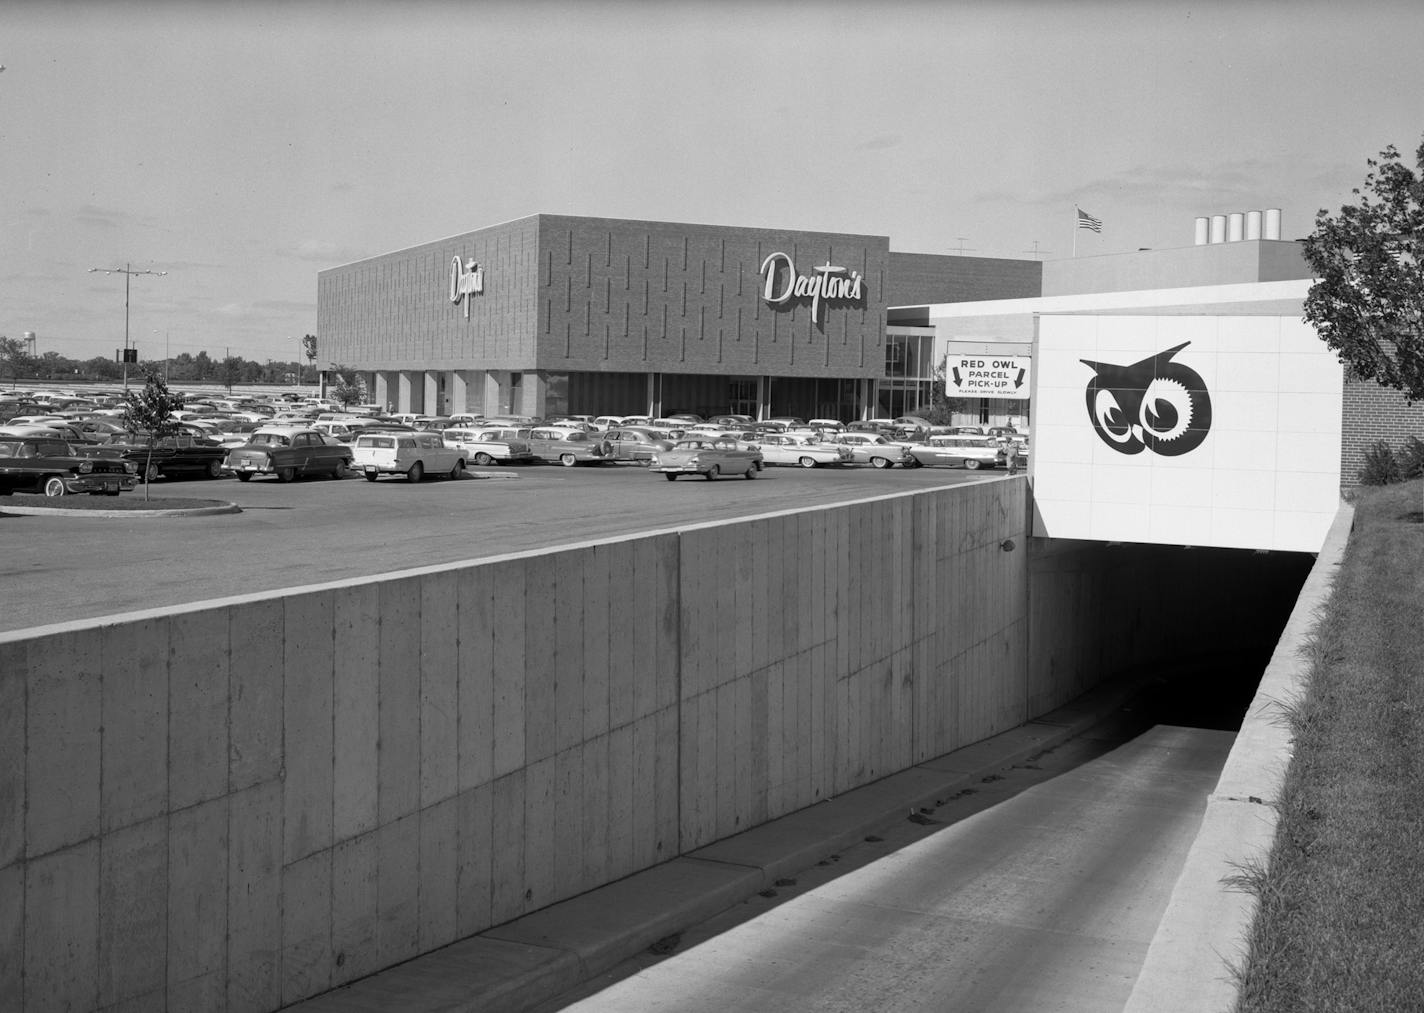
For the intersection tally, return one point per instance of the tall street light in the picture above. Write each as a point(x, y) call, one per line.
point(128, 273)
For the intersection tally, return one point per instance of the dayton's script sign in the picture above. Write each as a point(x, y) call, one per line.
point(828, 282)
point(465, 280)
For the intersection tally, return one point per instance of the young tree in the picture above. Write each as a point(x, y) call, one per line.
point(15, 357)
point(1368, 301)
point(151, 411)
point(346, 388)
point(309, 348)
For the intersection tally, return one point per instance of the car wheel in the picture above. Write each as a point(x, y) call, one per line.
point(750, 473)
point(807, 462)
point(54, 486)
point(880, 462)
point(215, 469)
point(669, 476)
point(151, 473)
point(370, 476)
point(458, 471)
point(244, 476)
point(287, 474)
point(712, 473)
point(568, 460)
point(416, 473)
point(340, 470)
point(483, 459)
point(971, 464)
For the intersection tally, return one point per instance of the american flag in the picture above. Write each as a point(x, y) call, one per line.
point(1087, 221)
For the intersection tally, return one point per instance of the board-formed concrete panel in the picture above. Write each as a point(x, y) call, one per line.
point(411, 759)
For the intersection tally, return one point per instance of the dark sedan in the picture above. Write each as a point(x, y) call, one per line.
point(171, 456)
point(49, 466)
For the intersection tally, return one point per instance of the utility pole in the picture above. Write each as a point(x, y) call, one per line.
point(128, 273)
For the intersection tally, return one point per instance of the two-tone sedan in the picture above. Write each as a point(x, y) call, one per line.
point(875, 450)
point(562, 445)
point(709, 458)
point(629, 443)
point(288, 452)
point(801, 451)
point(486, 445)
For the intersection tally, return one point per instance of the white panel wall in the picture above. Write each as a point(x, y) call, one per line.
point(1266, 476)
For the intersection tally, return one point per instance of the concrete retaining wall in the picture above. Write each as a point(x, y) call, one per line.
point(246, 802)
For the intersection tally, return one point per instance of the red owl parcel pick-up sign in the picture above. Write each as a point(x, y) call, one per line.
point(987, 376)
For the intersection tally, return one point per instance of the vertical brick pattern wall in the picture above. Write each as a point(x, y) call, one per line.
point(394, 311)
point(657, 296)
point(1373, 413)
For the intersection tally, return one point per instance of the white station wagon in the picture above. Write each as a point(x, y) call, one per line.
point(413, 455)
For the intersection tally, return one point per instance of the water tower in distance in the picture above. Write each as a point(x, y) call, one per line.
point(29, 338)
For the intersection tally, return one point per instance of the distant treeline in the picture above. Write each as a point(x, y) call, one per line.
point(182, 368)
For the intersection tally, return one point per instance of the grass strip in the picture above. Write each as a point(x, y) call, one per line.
point(1340, 922)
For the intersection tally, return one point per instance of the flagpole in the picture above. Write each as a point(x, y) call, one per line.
point(1075, 230)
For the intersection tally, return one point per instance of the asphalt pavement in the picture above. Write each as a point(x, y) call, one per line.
point(62, 568)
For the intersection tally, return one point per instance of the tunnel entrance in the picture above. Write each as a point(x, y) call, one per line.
point(1196, 626)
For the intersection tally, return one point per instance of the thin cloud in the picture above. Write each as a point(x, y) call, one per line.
point(880, 142)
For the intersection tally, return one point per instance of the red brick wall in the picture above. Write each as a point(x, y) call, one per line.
point(1372, 413)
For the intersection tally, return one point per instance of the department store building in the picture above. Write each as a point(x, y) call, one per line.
point(552, 314)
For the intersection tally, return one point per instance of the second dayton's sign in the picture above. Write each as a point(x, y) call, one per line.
point(466, 280)
point(987, 376)
point(828, 282)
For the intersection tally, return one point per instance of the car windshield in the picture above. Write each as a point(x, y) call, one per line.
point(272, 440)
point(10, 449)
point(382, 442)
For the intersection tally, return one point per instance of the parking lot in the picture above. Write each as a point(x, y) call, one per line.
point(64, 568)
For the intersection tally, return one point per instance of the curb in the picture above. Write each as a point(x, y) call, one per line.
point(533, 959)
point(203, 511)
point(1203, 932)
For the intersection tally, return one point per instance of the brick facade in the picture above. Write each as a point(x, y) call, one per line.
point(664, 297)
point(1372, 413)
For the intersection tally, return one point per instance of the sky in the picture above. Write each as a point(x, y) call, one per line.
point(243, 147)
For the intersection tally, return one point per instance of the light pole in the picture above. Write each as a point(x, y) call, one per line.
point(128, 273)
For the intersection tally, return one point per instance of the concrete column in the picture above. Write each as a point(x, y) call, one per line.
point(406, 391)
point(457, 390)
point(381, 390)
point(532, 395)
point(491, 401)
point(430, 395)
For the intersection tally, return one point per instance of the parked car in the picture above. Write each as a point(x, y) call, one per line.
point(566, 446)
point(46, 465)
point(875, 450)
point(288, 452)
point(709, 458)
point(413, 455)
point(170, 456)
point(783, 448)
point(970, 452)
point(636, 444)
point(485, 445)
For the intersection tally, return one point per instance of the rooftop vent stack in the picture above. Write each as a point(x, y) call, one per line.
point(1218, 228)
point(1253, 225)
point(1273, 223)
point(1234, 223)
point(1202, 231)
